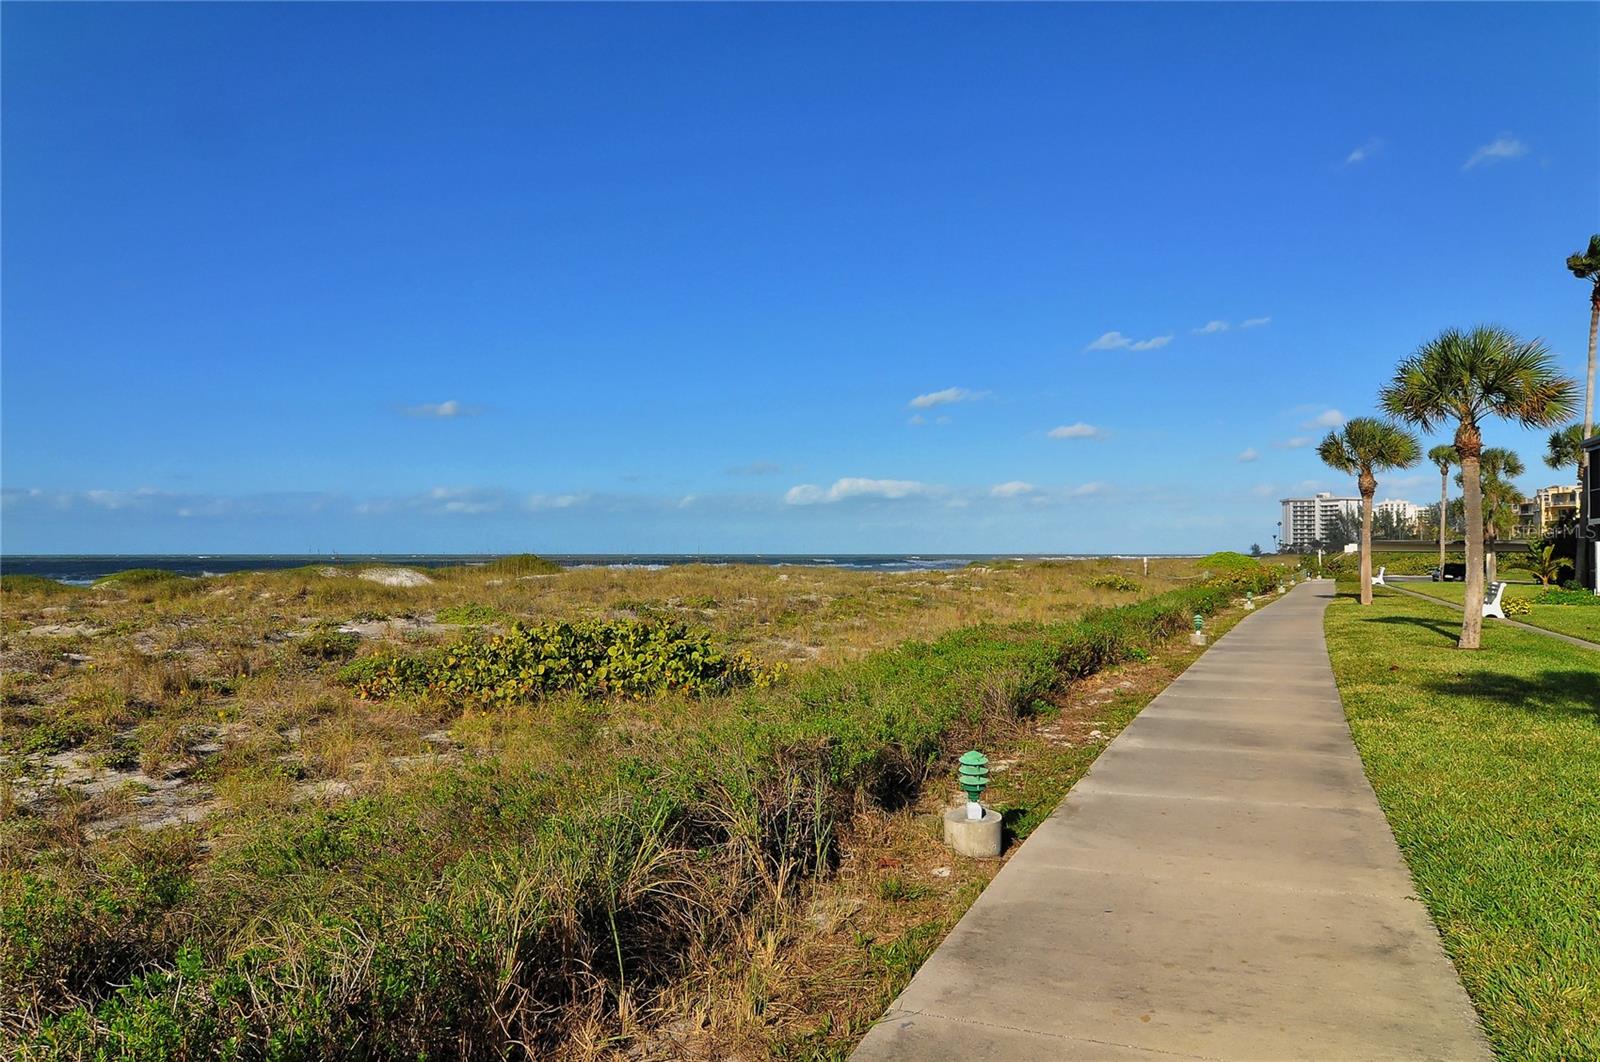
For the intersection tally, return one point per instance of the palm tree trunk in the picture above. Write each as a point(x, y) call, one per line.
point(1366, 541)
point(1444, 502)
point(1472, 496)
point(1585, 549)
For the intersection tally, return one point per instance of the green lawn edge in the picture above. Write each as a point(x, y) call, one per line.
point(1487, 765)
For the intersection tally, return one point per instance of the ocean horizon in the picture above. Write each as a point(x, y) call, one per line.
point(84, 568)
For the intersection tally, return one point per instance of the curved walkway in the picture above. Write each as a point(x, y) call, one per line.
point(1220, 885)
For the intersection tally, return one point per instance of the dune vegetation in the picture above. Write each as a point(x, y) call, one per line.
point(591, 812)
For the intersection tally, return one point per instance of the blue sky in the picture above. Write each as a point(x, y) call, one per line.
point(738, 278)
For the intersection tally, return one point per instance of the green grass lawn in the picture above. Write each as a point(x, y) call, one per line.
point(1580, 621)
point(1487, 765)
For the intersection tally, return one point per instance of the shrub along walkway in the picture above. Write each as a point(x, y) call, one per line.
point(1221, 885)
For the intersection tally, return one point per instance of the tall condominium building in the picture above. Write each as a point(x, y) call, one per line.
point(1405, 513)
point(1547, 505)
point(1305, 520)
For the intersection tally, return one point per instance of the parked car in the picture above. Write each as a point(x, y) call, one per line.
point(1450, 573)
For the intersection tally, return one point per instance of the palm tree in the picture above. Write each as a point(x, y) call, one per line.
point(1363, 446)
point(1586, 266)
point(1542, 562)
point(1444, 458)
point(1566, 448)
point(1501, 497)
point(1468, 377)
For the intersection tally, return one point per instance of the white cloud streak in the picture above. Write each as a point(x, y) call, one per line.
point(439, 410)
point(1079, 430)
point(854, 487)
point(1363, 153)
point(1118, 341)
point(948, 395)
point(1255, 322)
point(1500, 149)
point(1250, 454)
point(1209, 328)
point(1012, 489)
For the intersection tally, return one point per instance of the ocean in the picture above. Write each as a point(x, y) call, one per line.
point(82, 569)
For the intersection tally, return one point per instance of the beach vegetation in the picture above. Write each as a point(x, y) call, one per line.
point(473, 859)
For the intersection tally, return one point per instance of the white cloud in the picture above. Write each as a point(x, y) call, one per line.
point(463, 500)
point(1328, 418)
point(1079, 430)
point(1255, 322)
point(949, 394)
point(1012, 489)
point(1503, 147)
point(1086, 489)
point(1209, 328)
point(450, 408)
point(855, 487)
point(1362, 153)
point(1118, 341)
point(1298, 442)
point(539, 502)
point(1250, 454)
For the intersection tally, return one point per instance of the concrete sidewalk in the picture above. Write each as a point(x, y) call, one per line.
point(1220, 885)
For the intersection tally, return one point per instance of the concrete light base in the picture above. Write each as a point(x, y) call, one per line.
point(976, 838)
point(1197, 638)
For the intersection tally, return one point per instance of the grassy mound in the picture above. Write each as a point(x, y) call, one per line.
point(138, 577)
point(1342, 564)
point(34, 584)
point(522, 564)
point(1228, 562)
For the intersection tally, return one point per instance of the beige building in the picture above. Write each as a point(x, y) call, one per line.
point(1405, 513)
point(1547, 505)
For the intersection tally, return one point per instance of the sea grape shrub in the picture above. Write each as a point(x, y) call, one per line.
point(625, 658)
point(327, 642)
point(1115, 582)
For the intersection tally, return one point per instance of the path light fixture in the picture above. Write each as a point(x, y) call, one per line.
point(975, 830)
point(1199, 635)
point(1249, 600)
point(974, 773)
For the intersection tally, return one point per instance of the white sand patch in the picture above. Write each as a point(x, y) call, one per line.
point(396, 577)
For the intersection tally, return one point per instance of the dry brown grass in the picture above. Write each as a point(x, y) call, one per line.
point(151, 671)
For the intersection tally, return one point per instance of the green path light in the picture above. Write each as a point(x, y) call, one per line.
point(974, 775)
point(1199, 623)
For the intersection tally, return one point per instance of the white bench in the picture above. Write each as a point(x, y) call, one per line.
point(1491, 601)
point(1377, 580)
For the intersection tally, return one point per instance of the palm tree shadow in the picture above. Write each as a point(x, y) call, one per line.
point(1450, 631)
point(1561, 693)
